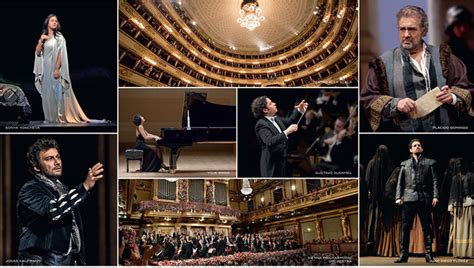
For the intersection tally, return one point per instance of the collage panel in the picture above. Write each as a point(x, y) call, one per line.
point(416, 199)
point(177, 131)
point(289, 132)
point(238, 44)
point(417, 66)
point(238, 222)
point(58, 201)
point(48, 84)
point(215, 172)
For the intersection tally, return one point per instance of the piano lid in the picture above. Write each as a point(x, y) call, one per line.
point(206, 114)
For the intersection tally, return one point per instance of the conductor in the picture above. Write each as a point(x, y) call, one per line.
point(272, 133)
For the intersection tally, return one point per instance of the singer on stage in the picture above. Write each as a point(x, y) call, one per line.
point(272, 133)
point(48, 212)
point(417, 193)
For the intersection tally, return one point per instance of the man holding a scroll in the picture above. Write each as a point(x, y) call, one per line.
point(397, 81)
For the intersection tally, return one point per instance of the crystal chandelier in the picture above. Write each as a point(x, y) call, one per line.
point(246, 189)
point(250, 14)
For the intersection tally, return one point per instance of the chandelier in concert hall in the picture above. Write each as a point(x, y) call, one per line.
point(246, 189)
point(250, 14)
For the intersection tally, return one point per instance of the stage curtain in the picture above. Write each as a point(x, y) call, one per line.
point(6, 204)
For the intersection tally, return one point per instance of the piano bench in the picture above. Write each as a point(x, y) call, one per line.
point(134, 154)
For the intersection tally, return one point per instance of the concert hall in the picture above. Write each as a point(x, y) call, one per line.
point(237, 43)
point(238, 222)
point(177, 132)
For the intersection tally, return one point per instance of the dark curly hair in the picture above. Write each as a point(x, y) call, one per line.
point(258, 104)
point(32, 156)
point(137, 120)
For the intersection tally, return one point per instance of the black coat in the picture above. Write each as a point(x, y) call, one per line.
point(188, 250)
point(203, 253)
point(240, 244)
point(169, 251)
point(45, 218)
point(221, 245)
point(417, 182)
point(273, 143)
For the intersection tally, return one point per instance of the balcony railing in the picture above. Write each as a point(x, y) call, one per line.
point(184, 207)
point(321, 194)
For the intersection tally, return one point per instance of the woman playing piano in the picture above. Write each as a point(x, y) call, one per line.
point(152, 155)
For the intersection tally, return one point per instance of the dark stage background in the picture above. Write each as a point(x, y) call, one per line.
point(285, 99)
point(90, 29)
point(440, 147)
point(78, 152)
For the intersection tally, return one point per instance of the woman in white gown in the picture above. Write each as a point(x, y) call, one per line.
point(52, 78)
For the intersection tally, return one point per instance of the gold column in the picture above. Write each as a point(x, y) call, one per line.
point(176, 189)
point(205, 191)
point(297, 230)
point(213, 191)
point(155, 189)
point(227, 194)
point(319, 229)
point(131, 190)
point(346, 227)
point(305, 188)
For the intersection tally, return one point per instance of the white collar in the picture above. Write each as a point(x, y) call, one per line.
point(271, 118)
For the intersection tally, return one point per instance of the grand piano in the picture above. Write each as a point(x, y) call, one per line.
point(202, 121)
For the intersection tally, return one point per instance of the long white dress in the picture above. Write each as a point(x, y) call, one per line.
point(59, 102)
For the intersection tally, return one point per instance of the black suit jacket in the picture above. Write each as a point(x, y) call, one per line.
point(417, 183)
point(203, 252)
point(45, 218)
point(169, 251)
point(188, 250)
point(273, 143)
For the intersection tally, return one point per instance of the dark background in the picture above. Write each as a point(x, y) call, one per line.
point(440, 147)
point(78, 153)
point(90, 29)
point(285, 99)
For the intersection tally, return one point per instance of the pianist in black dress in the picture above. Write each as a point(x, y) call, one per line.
point(152, 155)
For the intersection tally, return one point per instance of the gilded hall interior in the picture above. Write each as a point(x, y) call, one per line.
point(185, 43)
point(318, 215)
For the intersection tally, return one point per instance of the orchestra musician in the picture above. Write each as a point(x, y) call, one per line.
point(201, 245)
point(169, 249)
point(336, 148)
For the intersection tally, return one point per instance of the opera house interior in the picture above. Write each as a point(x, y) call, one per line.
point(238, 222)
point(237, 43)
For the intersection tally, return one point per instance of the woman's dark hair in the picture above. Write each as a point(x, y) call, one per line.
point(137, 120)
point(32, 156)
point(44, 30)
point(258, 104)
